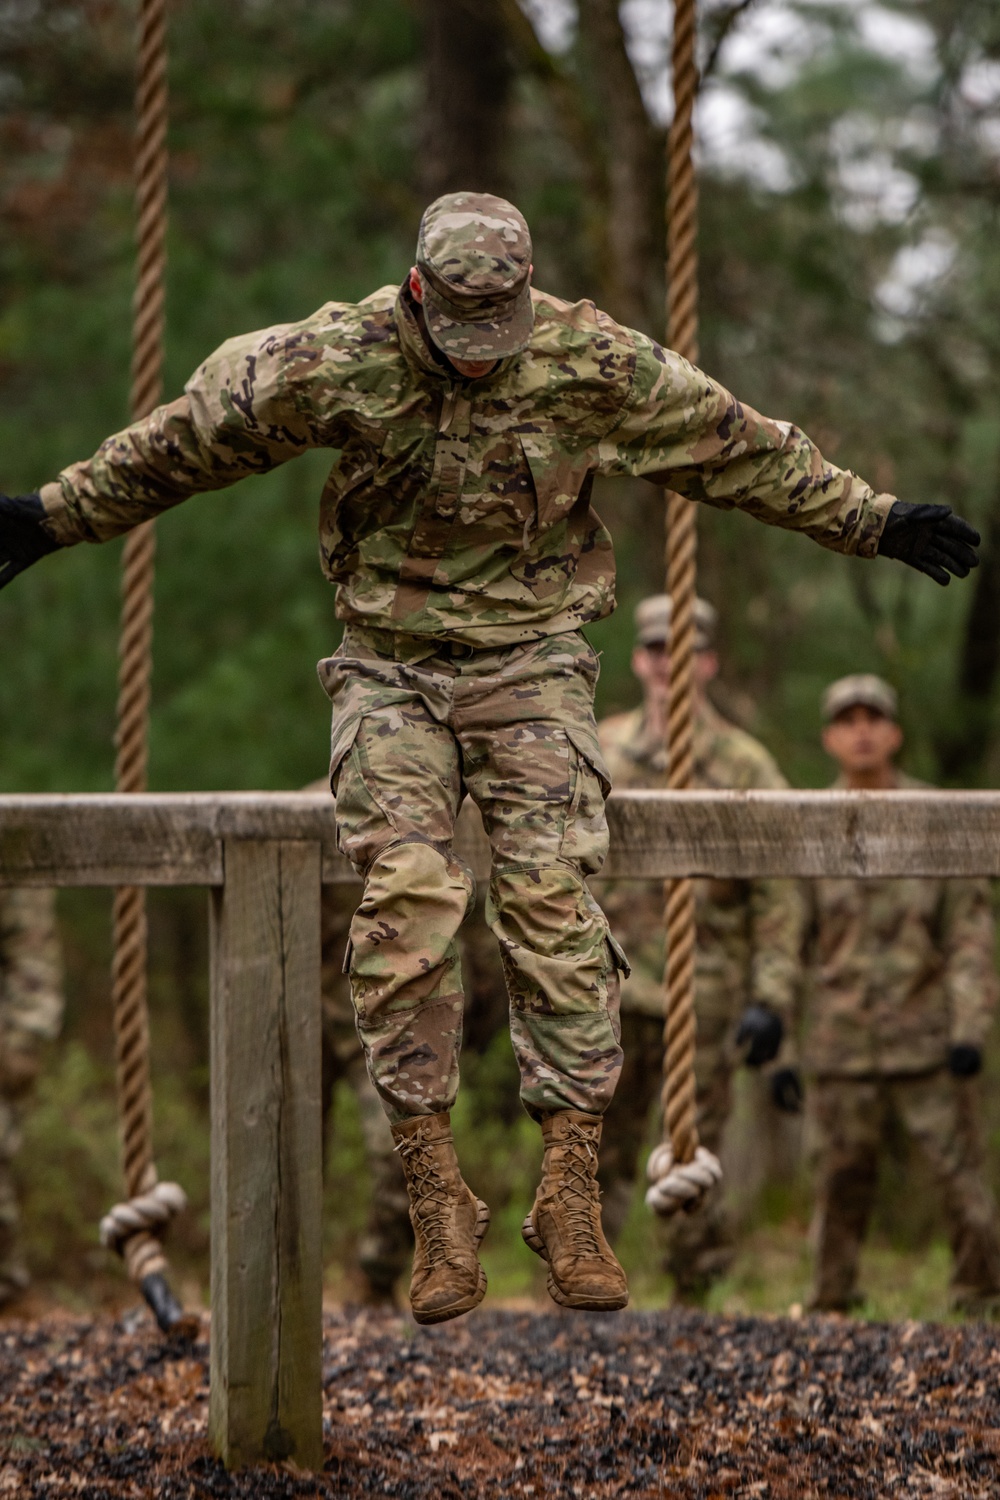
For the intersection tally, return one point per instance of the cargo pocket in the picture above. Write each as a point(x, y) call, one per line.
point(558, 478)
point(618, 954)
point(585, 836)
point(341, 742)
point(586, 745)
point(366, 825)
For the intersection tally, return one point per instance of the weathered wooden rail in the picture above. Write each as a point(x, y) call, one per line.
point(264, 857)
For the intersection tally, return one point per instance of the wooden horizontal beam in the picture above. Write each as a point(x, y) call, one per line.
point(873, 834)
point(176, 838)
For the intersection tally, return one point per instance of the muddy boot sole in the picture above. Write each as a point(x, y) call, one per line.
point(578, 1302)
point(467, 1303)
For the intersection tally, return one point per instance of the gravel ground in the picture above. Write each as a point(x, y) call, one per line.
point(669, 1404)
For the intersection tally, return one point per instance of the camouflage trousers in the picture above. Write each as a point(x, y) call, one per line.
point(850, 1118)
point(697, 1248)
point(385, 1244)
point(415, 727)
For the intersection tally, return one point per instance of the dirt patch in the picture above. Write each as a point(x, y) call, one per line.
point(504, 1403)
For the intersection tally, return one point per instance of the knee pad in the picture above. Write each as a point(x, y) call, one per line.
point(403, 951)
point(413, 870)
point(557, 949)
point(547, 909)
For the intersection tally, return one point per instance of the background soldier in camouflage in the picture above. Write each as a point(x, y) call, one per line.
point(749, 935)
point(471, 414)
point(902, 994)
point(31, 1009)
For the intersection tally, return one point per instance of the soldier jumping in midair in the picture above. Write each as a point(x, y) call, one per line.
point(471, 414)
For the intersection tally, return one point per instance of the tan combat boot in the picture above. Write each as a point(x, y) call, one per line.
point(564, 1225)
point(448, 1220)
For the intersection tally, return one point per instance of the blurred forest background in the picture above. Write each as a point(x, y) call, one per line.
point(850, 242)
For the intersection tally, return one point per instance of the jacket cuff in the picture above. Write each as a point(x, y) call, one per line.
point(872, 525)
point(60, 523)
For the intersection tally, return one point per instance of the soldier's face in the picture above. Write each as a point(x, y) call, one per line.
point(469, 369)
point(651, 664)
point(862, 740)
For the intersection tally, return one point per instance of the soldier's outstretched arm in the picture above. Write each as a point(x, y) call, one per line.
point(258, 401)
point(682, 429)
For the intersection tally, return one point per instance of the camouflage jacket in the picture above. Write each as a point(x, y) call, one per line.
point(463, 506)
point(31, 997)
point(901, 970)
point(749, 931)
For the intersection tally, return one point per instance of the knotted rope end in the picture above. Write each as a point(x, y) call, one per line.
point(677, 1186)
point(149, 1212)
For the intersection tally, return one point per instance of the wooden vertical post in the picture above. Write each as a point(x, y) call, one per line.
point(266, 1155)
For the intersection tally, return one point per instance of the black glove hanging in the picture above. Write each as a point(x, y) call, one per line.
point(760, 1031)
point(930, 538)
point(786, 1090)
point(964, 1060)
point(23, 537)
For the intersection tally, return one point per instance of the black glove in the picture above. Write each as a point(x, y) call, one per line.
point(786, 1091)
point(930, 538)
point(965, 1061)
point(760, 1031)
point(23, 538)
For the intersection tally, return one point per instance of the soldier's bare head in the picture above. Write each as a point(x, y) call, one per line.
point(861, 732)
point(473, 279)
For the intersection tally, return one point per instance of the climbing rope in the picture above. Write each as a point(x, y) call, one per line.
point(133, 1228)
point(681, 1170)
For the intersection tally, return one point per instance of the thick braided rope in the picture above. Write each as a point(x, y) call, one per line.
point(681, 1170)
point(149, 1207)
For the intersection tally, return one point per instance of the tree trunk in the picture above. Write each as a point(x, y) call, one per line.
point(467, 86)
point(634, 290)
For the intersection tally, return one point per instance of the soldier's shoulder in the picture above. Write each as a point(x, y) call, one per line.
point(618, 729)
point(370, 321)
point(382, 300)
point(578, 344)
point(336, 334)
point(912, 783)
point(583, 316)
point(749, 763)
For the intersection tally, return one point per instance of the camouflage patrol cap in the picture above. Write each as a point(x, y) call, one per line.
point(862, 690)
point(474, 258)
point(652, 622)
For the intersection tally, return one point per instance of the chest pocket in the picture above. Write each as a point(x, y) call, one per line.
point(559, 478)
point(345, 507)
point(498, 506)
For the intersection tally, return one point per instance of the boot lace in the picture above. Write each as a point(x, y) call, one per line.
point(430, 1195)
point(581, 1200)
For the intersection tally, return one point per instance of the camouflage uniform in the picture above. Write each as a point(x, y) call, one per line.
point(749, 934)
point(456, 525)
point(31, 1008)
point(385, 1246)
point(903, 971)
